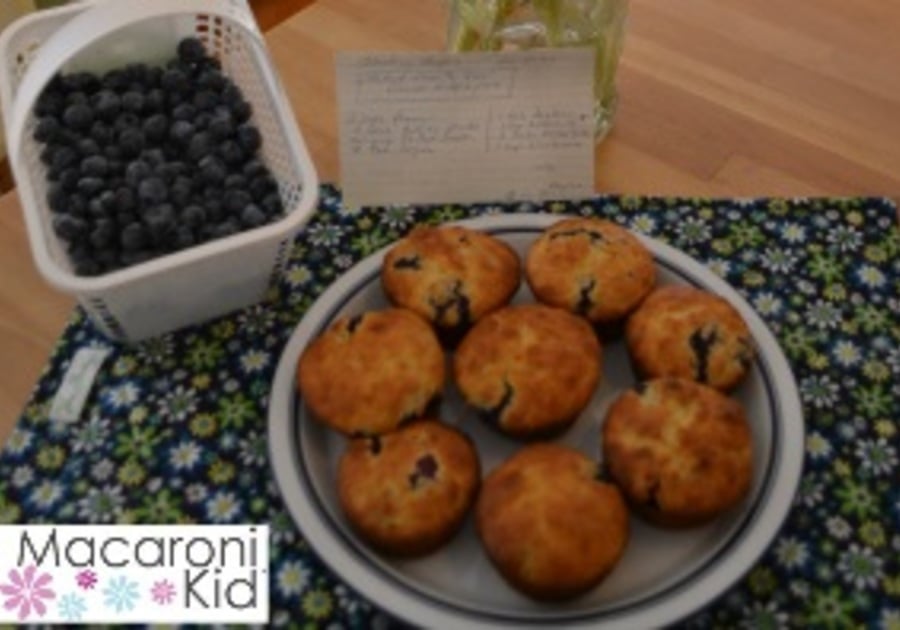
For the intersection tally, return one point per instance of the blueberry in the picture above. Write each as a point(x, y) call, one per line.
point(95, 208)
point(155, 127)
point(262, 185)
point(242, 111)
point(193, 216)
point(185, 111)
point(249, 138)
point(271, 203)
point(113, 152)
point(133, 101)
point(254, 167)
point(136, 171)
point(47, 129)
point(137, 73)
point(212, 170)
point(101, 133)
point(235, 180)
point(103, 234)
point(221, 125)
point(81, 82)
point(214, 209)
point(127, 120)
point(130, 258)
point(252, 216)
point(50, 103)
point(108, 259)
point(236, 200)
point(90, 185)
point(160, 223)
point(78, 116)
point(131, 142)
point(62, 157)
point(124, 200)
point(86, 267)
point(154, 157)
point(152, 190)
point(106, 104)
point(226, 228)
point(191, 49)
point(174, 80)
point(180, 191)
point(231, 153)
point(47, 154)
point(95, 166)
point(211, 79)
point(200, 146)
point(76, 98)
point(115, 80)
point(56, 197)
point(68, 227)
point(88, 147)
point(133, 237)
point(155, 100)
point(78, 205)
point(183, 237)
point(181, 132)
point(205, 100)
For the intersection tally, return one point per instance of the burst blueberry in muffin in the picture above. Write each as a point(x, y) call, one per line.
point(450, 275)
point(528, 369)
point(591, 267)
point(688, 333)
point(408, 492)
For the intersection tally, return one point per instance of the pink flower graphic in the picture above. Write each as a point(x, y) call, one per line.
point(86, 579)
point(163, 592)
point(26, 592)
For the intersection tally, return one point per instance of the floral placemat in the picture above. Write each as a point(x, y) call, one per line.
point(175, 429)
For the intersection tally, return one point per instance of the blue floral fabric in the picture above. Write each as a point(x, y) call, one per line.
point(175, 430)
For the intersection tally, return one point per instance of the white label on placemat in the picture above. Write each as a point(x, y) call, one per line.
point(77, 383)
point(441, 127)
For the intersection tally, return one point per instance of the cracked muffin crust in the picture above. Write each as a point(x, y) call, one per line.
point(408, 492)
point(550, 526)
point(688, 333)
point(450, 275)
point(369, 373)
point(528, 369)
point(591, 267)
point(681, 452)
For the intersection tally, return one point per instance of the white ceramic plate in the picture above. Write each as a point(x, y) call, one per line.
point(663, 575)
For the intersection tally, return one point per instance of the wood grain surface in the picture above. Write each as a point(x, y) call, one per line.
point(718, 97)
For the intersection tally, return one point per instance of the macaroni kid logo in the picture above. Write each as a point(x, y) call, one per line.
point(134, 574)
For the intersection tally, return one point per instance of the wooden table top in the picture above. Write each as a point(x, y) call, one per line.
point(717, 97)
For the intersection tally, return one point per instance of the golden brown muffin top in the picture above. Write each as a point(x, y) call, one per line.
point(680, 451)
point(529, 369)
point(592, 267)
point(688, 333)
point(368, 373)
point(450, 275)
point(551, 527)
point(408, 491)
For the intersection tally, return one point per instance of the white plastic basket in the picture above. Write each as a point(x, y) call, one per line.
point(199, 283)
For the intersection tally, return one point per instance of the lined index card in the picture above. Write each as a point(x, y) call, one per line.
point(464, 128)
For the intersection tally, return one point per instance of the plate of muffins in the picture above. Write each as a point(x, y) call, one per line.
point(534, 420)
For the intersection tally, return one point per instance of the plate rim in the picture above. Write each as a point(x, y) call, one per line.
point(698, 591)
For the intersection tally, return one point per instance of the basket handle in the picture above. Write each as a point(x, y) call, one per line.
point(101, 19)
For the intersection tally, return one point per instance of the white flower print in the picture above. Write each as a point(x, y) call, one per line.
point(292, 578)
point(860, 567)
point(185, 456)
point(122, 396)
point(22, 476)
point(767, 304)
point(877, 456)
point(222, 507)
point(779, 260)
point(819, 391)
point(791, 553)
point(817, 445)
point(254, 361)
point(46, 494)
point(846, 353)
point(838, 527)
point(871, 276)
point(793, 233)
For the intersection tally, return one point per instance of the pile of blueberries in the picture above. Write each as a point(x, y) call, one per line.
point(148, 160)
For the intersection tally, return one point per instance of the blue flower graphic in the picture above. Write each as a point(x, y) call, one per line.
point(120, 594)
point(72, 607)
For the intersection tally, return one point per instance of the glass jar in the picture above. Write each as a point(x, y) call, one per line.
point(497, 25)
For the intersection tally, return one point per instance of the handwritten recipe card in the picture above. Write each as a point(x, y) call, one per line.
point(442, 128)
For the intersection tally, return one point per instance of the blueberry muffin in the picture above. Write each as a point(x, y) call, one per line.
point(591, 267)
point(688, 333)
point(408, 492)
point(680, 451)
point(451, 276)
point(369, 373)
point(528, 369)
point(550, 526)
